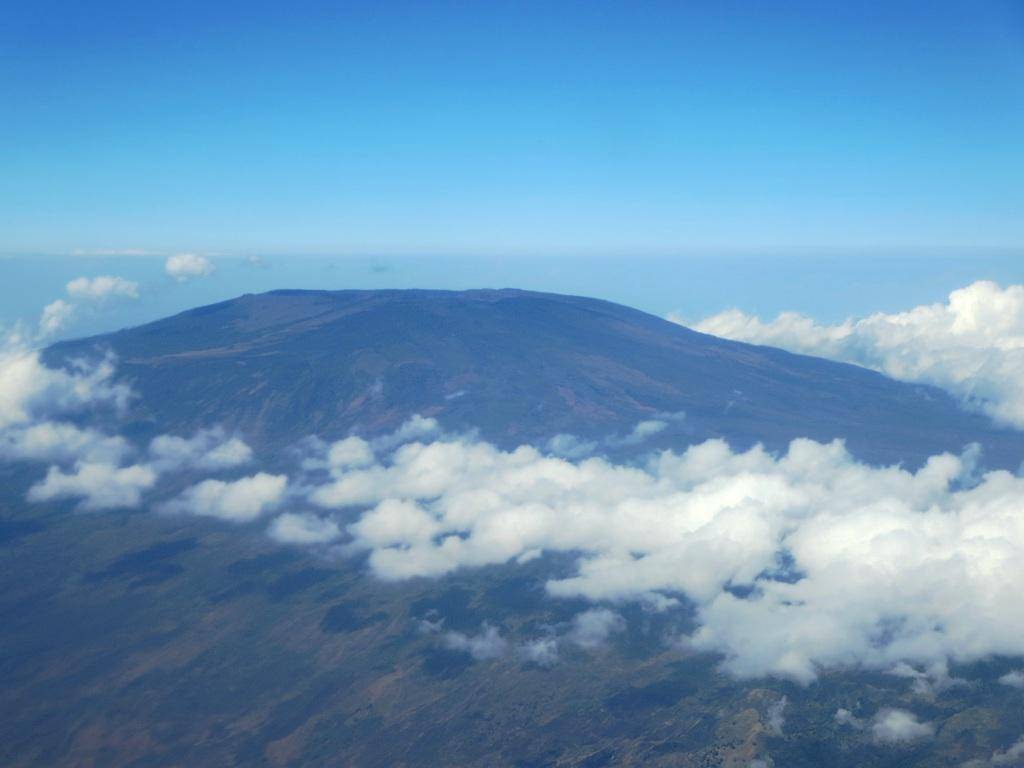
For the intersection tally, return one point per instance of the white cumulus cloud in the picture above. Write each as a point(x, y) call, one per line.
point(102, 287)
point(591, 629)
point(99, 485)
point(972, 345)
point(842, 564)
point(185, 266)
point(207, 449)
point(898, 726)
point(1014, 679)
point(237, 501)
point(31, 391)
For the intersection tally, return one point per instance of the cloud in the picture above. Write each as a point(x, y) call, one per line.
point(776, 716)
point(543, 651)
point(238, 501)
point(972, 345)
point(208, 449)
point(102, 288)
point(348, 453)
point(34, 397)
point(62, 443)
point(304, 529)
point(1014, 679)
point(572, 447)
point(846, 717)
point(415, 428)
point(58, 313)
point(888, 726)
point(55, 316)
point(932, 681)
point(841, 564)
point(487, 645)
point(31, 391)
point(185, 266)
point(898, 726)
point(591, 629)
point(100, 486)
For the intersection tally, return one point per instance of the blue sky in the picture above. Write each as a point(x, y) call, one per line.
point(511, 128)
point(834, 158)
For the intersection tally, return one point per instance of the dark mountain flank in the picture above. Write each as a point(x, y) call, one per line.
point(515, 365)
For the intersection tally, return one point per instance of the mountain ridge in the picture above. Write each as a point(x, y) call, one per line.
point(516, 366)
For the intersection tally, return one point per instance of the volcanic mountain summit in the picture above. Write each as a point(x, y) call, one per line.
point(515, 367)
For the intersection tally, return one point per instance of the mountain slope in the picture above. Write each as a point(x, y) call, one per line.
point(518, 367)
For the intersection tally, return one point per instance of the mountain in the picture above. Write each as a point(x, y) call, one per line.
point(135, 637)
point(516, 366)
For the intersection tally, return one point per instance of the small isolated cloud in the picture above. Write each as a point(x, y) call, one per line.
point(972, 345)
point(238, 501)
point(489, 644)
point(644, 430)
point(591, 629)
point(846, 717)
point(776, 716)
point(101, 288)
point(185, 266)
point(208, 449)
point(1013, 679)
point(303, 529)
point(100, 486)
point(56, 315)
point(543, 651)
point(898, 726)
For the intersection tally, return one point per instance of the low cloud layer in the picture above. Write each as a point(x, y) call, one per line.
point(796, 563)
point(972, 345)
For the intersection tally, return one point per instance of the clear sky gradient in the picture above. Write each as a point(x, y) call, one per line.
point(496, 128)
